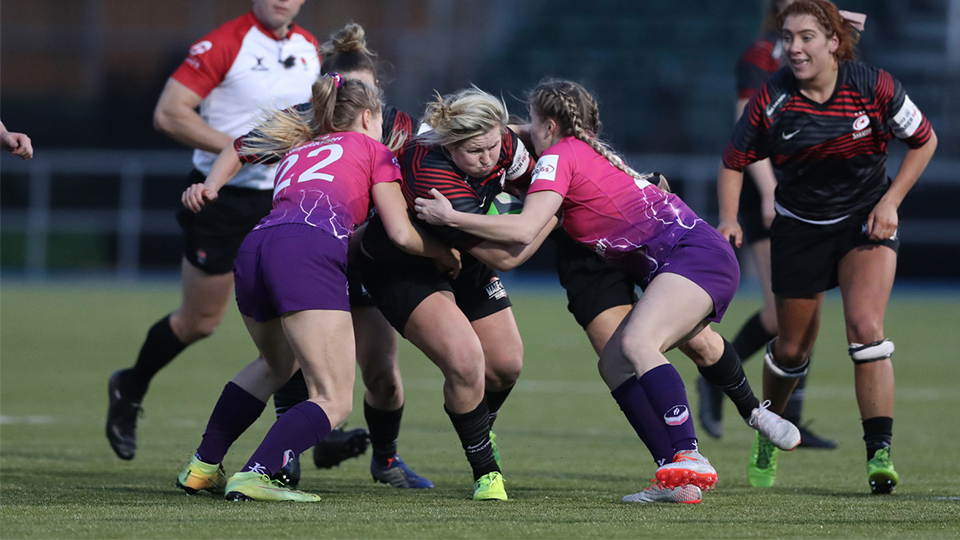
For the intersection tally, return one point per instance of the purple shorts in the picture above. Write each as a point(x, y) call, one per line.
point(290, 267)
point(701, 255)
point(706, 258)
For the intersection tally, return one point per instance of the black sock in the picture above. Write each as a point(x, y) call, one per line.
point(495, 400)
point(384, 429)
point(158, 350)
point(751, 338)
point(727, 374)
point(795, 404)
point(474, 431)
point(290, 394)
point(877, 433)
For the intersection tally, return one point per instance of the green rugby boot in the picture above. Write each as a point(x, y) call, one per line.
point(762, 468)
point(254, 486)
point(880, 472)
point(199, 476)
point(490, 488)
point(493, 444)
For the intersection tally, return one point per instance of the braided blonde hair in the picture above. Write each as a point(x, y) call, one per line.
point(458, 117)
point(336, 104)
point(575, 111)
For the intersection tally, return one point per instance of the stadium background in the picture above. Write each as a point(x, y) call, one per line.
point(81, 77)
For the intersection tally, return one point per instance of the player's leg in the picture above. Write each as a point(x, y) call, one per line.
point(205, 300)
point(322, 343)
point(718, 363)
point(866, 277)
point(443, 333)
point(240, 404)
point(378, 358)
point(670, 310)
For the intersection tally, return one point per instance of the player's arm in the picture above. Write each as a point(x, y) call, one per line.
point(227, 165)
point(763, 176)
point(505, 257)
point(522, 228)
point(176, 116)
point(729, 185)
point(883, 220)
point(388, 198)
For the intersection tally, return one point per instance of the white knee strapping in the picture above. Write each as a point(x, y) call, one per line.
point(871, 352)
point(785, 372)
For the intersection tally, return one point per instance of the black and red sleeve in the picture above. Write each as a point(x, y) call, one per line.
point(904, 119)
point(754, 67)
point(746, 144)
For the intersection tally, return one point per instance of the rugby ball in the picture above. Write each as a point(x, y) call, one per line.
point(505, 203)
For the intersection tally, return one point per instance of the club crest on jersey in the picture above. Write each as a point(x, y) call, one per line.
point(677, 415)
point(200, 48)
point(495, 290)
point(546, 168)
point(861, 122)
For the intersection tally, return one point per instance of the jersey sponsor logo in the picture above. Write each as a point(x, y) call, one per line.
point(521, 160)
point(772, 108)
point(495, 290)
point(787, 136)
point(259, 65)
point(546, 168)
point(677, 415)
point(907, 120)
point(861, 122)
point(861, 134)
point(200, 48)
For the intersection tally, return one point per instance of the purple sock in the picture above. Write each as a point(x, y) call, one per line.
point(635, 406)
point(235, 411)
point(668, 397)
point(301, 427)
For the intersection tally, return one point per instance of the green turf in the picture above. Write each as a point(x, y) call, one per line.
point(568, 453)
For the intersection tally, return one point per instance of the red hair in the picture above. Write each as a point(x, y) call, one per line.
point(828, 17)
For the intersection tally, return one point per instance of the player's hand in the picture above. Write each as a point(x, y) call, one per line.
point(196, 196)
point(731, 230)
point(449, 263)
point(883, 221)
point(17, 144)
point(435, 211)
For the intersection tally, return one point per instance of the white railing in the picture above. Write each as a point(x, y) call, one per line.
point(130, 220)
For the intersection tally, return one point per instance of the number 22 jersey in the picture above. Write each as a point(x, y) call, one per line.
point(326, 183)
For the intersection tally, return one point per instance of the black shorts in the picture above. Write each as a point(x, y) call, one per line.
point(359, 295)
point(804, 257)
point(593, 285)
point(212, 237)
point(751, 212)
point(398, 289)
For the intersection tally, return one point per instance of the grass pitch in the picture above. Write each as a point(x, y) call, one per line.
point(569, 455)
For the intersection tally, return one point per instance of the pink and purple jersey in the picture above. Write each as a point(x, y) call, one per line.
point(628, 221)
point(326, 183)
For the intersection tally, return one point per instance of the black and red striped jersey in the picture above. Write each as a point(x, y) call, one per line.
point(395, 121)
point(427, 166)
point(757, 63)
point(830, 158)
